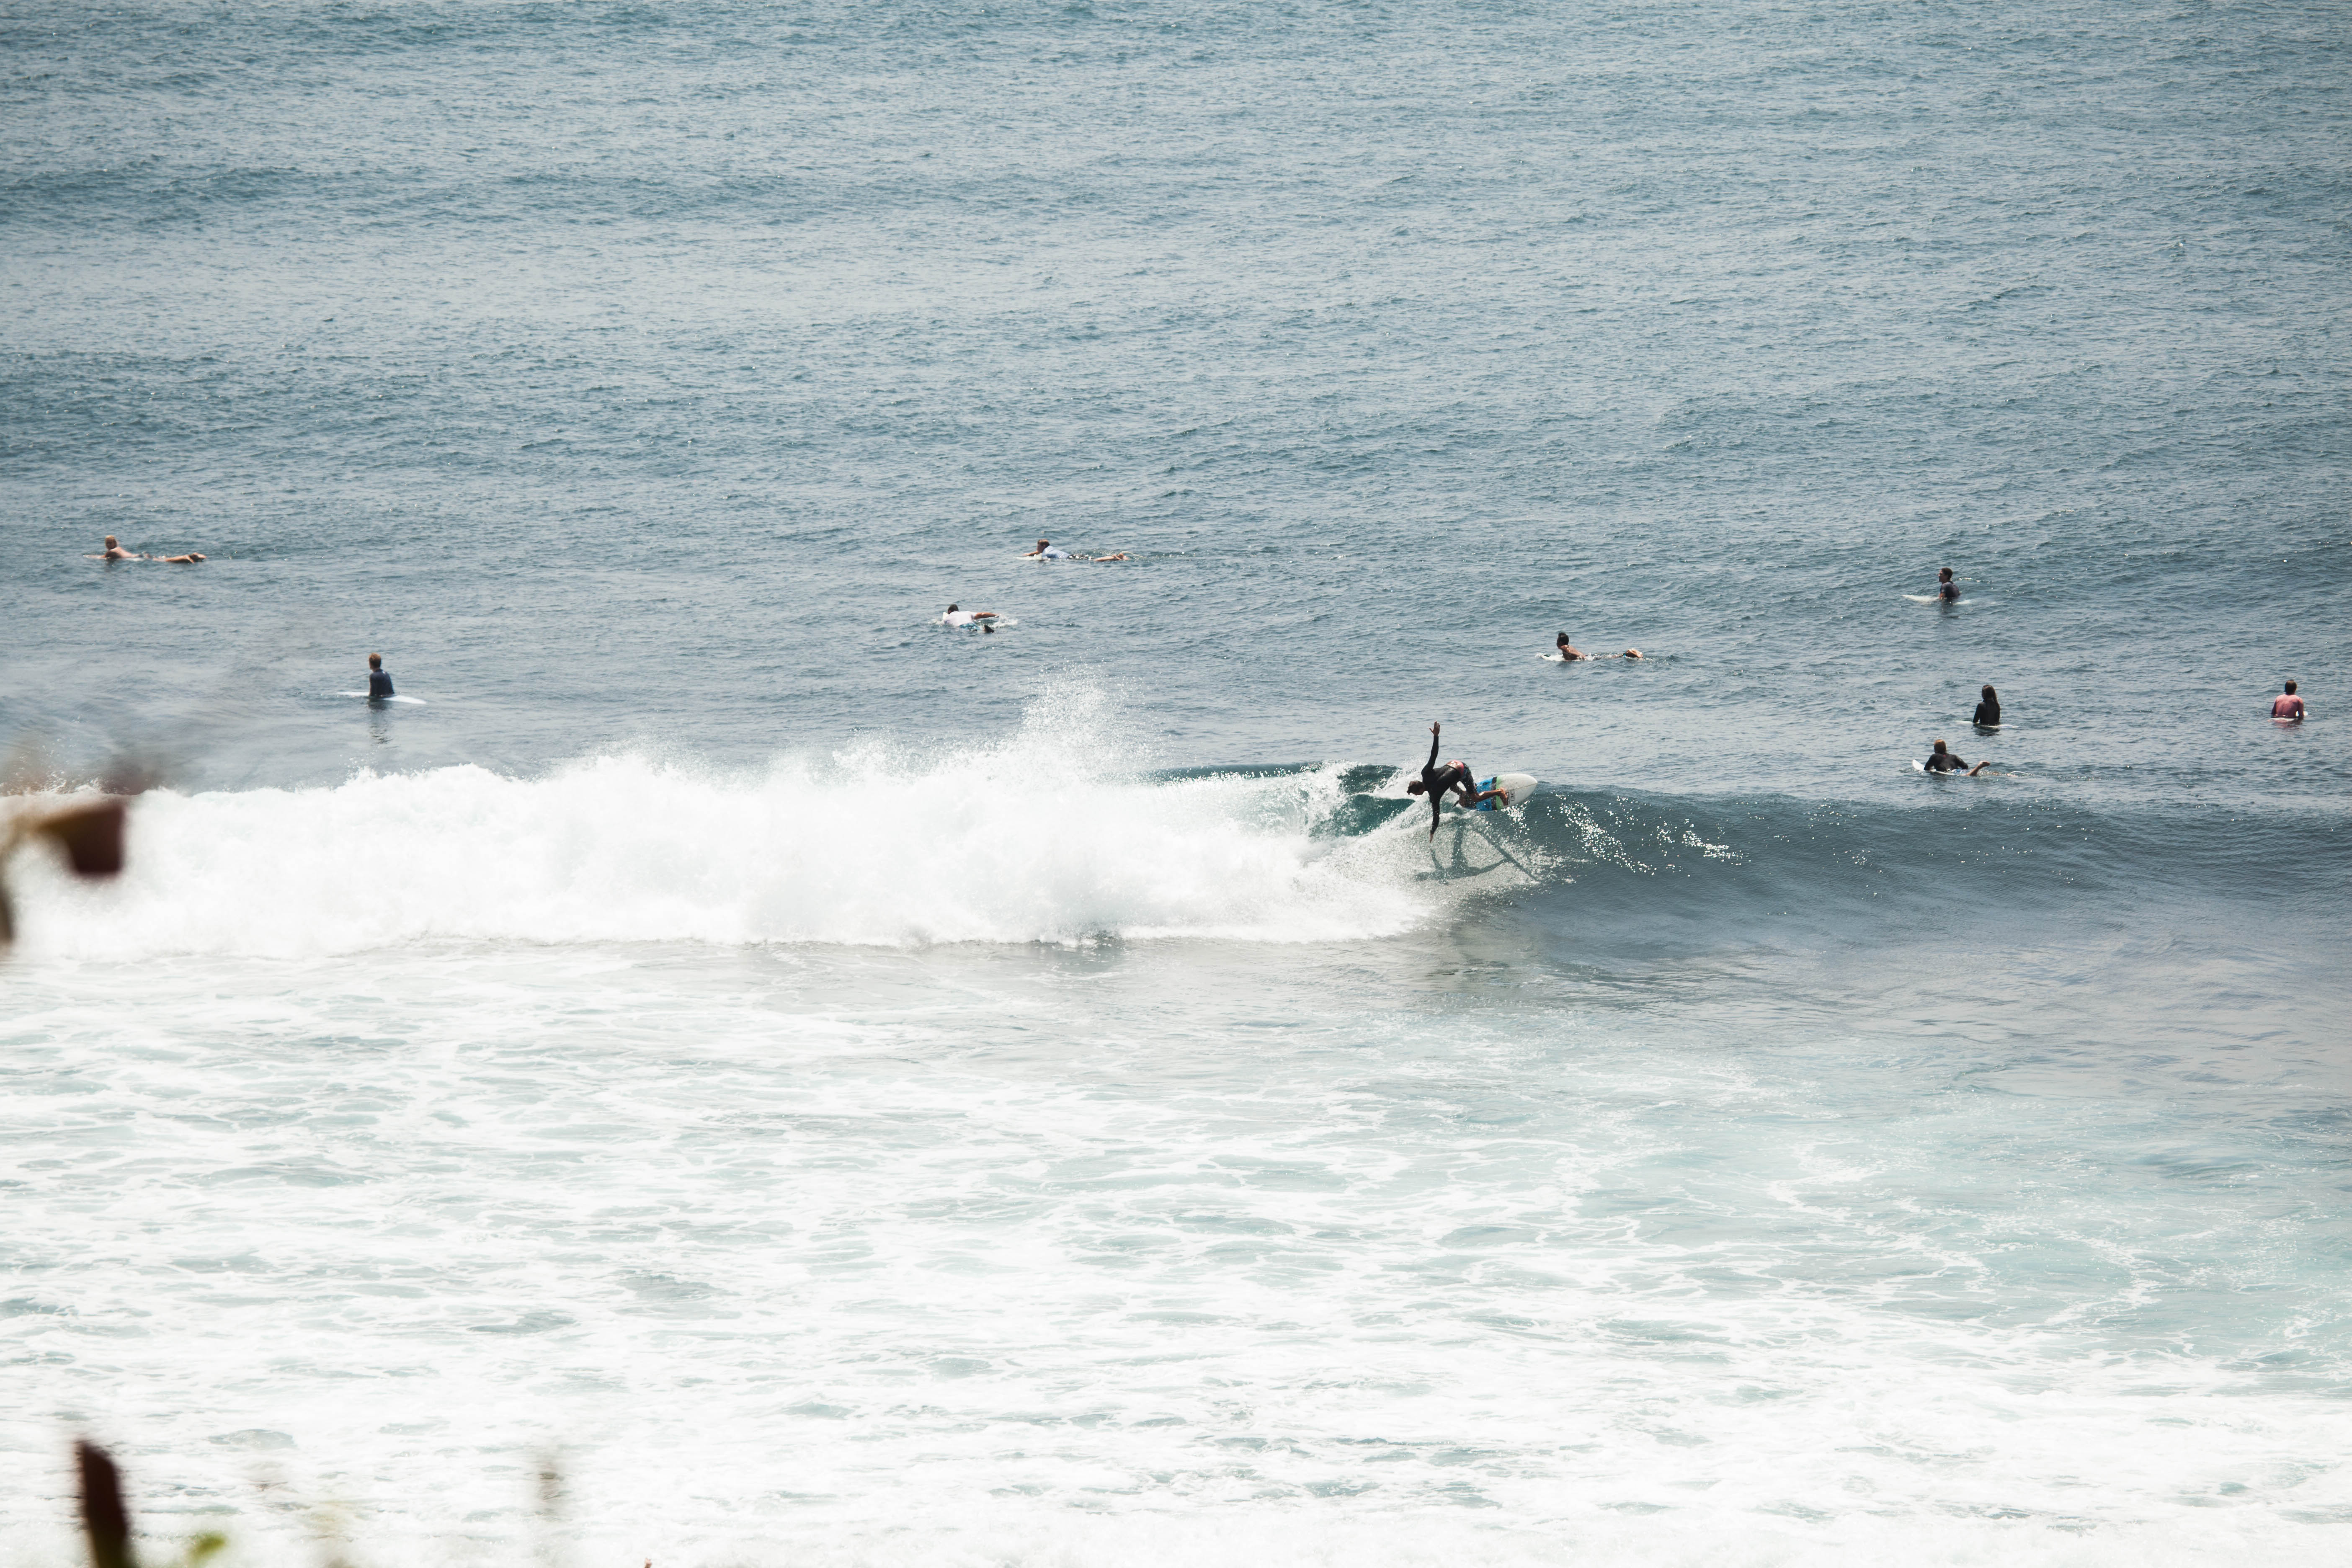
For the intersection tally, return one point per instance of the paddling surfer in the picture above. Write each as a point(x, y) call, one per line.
point(1943, 761)
point(1455, 776)
point(115, 552)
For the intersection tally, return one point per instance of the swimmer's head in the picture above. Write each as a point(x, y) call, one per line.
point(2290, 688)
point(1989, 695)
point(952, 609)
point(1944, 574)
point(1561, 640)
point(375, 661)
point(1415, 787)
point(1043, 542)
point(1939, 748)
point(110, 542)
point(1632, 653)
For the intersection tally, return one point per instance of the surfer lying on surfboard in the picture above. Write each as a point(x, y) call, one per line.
point(1568, 652)
point(116, 553)
point(1434, 781)
point(1941, 761)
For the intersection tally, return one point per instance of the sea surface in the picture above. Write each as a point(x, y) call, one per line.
point(731, 1072)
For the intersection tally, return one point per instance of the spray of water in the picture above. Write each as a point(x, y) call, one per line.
point(1048, 835)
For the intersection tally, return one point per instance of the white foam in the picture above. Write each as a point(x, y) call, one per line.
point(1038, 839)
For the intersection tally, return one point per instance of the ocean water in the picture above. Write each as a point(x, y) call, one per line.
point(736, 1073)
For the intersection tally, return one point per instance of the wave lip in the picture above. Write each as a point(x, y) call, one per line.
point(1019, 844)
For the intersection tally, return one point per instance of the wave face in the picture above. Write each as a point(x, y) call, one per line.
point(1048, 838)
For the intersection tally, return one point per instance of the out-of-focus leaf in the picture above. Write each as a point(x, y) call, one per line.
point(90, 836)
point(103, 1518)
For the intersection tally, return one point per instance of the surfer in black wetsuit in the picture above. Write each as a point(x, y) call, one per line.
point(1434, 781)
point(1988, 710)
point(379, 678)
point(1942, 762)
point(1946, 589)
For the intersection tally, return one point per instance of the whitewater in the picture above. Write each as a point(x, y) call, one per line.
point(733, 1072)
point(1012, 845)
point(1219, 1150)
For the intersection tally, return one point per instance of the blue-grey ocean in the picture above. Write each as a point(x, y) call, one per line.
point(830, 1087)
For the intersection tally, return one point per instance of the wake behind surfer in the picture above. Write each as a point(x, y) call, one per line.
point(1455, 776)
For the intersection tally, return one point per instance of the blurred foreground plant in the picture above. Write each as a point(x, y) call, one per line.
point(106, 1519)
point(88, 834)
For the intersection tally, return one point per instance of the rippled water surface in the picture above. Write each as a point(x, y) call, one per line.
point(838, 1089)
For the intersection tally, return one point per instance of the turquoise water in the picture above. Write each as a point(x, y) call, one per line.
point(852, 1091)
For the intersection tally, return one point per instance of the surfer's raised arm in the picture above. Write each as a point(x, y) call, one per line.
point(1436, 783)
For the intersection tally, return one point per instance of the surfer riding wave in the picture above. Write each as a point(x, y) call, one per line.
point(1455, 775)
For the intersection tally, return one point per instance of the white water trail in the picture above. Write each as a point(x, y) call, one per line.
point(1044, 838)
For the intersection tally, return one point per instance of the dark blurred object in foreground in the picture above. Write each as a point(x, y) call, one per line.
point(103, 1518)
point(106, 1518)
point(90, 835)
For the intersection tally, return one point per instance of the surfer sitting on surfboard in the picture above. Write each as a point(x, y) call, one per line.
point(379, 678)
point(1434, 781)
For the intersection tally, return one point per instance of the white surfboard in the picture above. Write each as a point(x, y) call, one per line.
point(411, 701)
point(1516, 788)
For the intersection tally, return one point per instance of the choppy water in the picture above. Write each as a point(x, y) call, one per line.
point(855, 1092)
